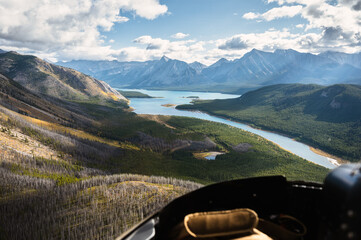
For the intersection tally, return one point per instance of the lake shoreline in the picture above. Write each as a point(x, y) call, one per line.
point(154, 107)
point(334, 160)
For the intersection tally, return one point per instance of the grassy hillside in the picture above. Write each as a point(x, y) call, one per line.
point(60, 82)
point(60, 164)
point(328, 118)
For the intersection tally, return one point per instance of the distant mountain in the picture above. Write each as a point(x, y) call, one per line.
point(344, 58)
point(197, 66)
point(219, 69)
point(255, 69)
point(60, 82)
point(165, 72)
point(2, 51)
point(93, 68)
point(258, 68)
point(325, 117)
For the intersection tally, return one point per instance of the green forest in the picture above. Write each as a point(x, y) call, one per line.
point(328, 118)
point(157, 143)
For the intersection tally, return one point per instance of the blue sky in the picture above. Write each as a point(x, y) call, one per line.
point(188, 30)
point(201, 19)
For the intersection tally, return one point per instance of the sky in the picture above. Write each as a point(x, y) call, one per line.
point(187, 30)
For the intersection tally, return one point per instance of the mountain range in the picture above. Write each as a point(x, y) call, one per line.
point(255, 69)
point(49, 79)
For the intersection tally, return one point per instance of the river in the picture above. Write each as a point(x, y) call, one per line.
point(154, 106)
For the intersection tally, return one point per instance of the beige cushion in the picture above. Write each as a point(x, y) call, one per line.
point(222, 223)
point(237, 224)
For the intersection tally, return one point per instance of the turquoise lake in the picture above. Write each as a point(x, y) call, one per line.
point(154, 106)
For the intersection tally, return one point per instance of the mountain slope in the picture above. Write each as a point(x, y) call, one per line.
point(151, 74)
point(255, 69)
point(91, 67)
point(19, 99)
point(344, 58)
point(197, 66)
point(166, 72)
point(328, 118)
point(163, 73)
point(45, 78)
point(258, 68)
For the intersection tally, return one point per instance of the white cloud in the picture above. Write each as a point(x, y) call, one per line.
point(251, 15)
point(67, 26)
point(120, 19)
point(281, 2)
point(284, 11)
point(152, 43)
point(338, 23)
point(235, 42)
point(132, 54)
point(149, 9)
point(180, 35)
point(275, 13)
point(321, 14)
point(154, 48)
point(268, 41)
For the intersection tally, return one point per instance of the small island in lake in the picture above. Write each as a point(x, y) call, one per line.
point(134, 94)
point(169, 105)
